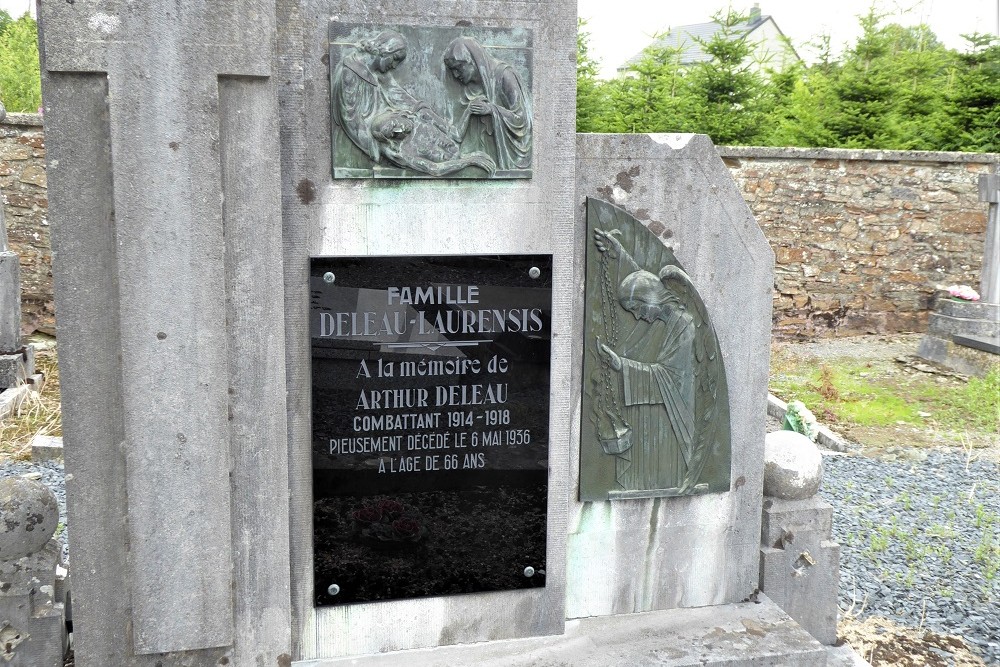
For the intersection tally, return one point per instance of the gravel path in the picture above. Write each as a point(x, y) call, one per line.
point(920, 542)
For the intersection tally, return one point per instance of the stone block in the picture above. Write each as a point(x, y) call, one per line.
point(959, 358)
point(946, 326)
point(17, 368)
point(967, 309)
point(32, 613)
point(10, 300)
point(799, 565)
point(747, 634)
point(46, 448)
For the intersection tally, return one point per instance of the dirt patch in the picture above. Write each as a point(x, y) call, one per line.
point(885, 644)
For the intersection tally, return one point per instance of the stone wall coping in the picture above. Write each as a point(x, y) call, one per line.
point(29, 119)
point(873, 155)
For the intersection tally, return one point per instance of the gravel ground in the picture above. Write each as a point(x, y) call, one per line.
point(920, 541)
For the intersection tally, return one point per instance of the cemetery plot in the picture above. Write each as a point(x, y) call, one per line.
point(430, 391)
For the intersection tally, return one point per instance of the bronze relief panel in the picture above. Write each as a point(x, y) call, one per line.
point(655, 398)
point(419, 102)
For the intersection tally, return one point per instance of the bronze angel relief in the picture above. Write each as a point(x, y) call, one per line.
point(656, 405)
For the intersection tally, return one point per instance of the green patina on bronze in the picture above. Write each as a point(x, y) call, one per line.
point(655, 399)
point(419, 102)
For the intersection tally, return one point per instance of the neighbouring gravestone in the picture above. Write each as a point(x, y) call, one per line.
point(965, 335)
point(321, 302)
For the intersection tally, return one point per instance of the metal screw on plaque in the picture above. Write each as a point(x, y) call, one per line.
point(333, 589)
point(529, 571)
point(329, 277)
point(534, 272)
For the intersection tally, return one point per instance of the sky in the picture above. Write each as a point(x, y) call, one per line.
point(621, 28)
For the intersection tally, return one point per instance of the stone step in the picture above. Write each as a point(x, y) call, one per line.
point(970, 309)
point(946, 326)
point(734, 635)
point(961, 358)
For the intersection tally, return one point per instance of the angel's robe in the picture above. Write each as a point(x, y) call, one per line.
point(658, 387)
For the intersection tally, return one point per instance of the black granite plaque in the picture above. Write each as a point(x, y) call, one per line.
point(430, 398)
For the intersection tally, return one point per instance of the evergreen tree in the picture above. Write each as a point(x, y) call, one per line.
point(590, 91)
point(731, 97)
point(976, 96)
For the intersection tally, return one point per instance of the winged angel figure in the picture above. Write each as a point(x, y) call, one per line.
point(666, 405)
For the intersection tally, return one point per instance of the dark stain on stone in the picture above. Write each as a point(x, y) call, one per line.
point(174, 145)
point(624, 178)
point(161, 336)
point(306, 191)
point(464, 24)
point(284, 660)
point(325, 59)
point(223, 660)
point(642, 214)
point(181, 438)
point(657, 228)
point(731, 162)
point(607, 193)
point(740, 481)
point(667, 234)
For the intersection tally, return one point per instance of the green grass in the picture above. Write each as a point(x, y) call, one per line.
point(844, 391)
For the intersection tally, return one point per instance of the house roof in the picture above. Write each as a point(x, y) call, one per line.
point(686, 38)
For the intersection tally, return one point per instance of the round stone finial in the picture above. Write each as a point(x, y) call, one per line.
point(793, 466)
point(29, 515)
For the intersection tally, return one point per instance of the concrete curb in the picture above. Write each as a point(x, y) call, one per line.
point(825, 438)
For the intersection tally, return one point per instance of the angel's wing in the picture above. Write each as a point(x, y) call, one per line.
point(711, 409)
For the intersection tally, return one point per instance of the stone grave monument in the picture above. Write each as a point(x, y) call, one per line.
point(329, 278)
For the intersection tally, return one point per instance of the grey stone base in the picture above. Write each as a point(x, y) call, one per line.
point(945, 326)
point(16, 368)
point(32, 618)
point(799, 565)
point(739, 635)
point(46, 448)
point(959, 358)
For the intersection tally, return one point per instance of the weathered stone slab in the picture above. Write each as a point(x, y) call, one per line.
point(964, 359)
point(734, 635)
point(945, 325)
point(10, 299)
point(645, 554)
point(968, 309)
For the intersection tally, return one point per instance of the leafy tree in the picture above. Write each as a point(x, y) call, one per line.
point(20, 80)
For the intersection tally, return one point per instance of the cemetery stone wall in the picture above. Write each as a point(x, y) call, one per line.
point(862, 238)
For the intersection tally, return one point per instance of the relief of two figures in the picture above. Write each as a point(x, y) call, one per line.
point(489, 137)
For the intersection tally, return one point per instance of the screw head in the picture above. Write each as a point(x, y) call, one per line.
point(333, 589)
point(328, 277)
point(534, 272)
point(529, 571)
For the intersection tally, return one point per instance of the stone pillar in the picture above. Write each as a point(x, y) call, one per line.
point(32, 589)
point(989, 191)
point(799, 564)
point(164, 182)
